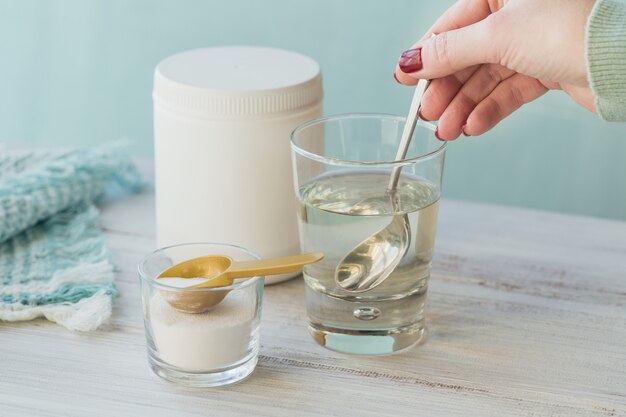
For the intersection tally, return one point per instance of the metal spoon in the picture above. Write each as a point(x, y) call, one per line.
point(220, 271)
point(373, 260)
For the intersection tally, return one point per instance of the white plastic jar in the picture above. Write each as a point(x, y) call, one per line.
point(222, 120)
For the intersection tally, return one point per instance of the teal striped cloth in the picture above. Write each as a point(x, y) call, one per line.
point(53, 258)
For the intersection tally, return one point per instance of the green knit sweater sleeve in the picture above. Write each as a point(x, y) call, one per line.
point(606, 58)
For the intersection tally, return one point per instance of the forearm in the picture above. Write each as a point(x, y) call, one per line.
point(606, 57)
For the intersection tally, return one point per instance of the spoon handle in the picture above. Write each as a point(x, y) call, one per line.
point(272, 266)
point(409, 128)
point(407, 132)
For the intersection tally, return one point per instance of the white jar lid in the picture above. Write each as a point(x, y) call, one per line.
point(237, 81)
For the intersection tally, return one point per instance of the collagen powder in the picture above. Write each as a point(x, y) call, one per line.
point(218, 338)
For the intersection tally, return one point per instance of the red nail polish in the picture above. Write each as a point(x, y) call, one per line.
point(411, 60)
point(437, 133)
point(421, 116)
point(463, 130)
point(396, 78)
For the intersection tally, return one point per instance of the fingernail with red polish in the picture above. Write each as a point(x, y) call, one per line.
point(411, 60)
point(437, 133)
point(396, 78)
point(421, 116)
point(463, 130)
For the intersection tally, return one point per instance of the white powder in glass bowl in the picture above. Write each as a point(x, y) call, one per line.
point(216, 339)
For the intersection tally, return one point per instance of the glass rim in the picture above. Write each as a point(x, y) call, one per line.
point(237, 285)
point(336, 161)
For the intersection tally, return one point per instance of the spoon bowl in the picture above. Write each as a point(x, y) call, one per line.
point(374, 259)
point(193, 302)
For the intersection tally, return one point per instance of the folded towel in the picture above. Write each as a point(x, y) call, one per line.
point(53, 259)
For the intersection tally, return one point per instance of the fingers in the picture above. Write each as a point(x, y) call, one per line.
point(482, 82)
point(441, 92)
point(450, 52)
point(403, 78)
point(463, 13)
point(507, 97)
point(469, 92)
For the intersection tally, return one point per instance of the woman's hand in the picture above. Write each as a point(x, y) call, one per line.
point(491, 57)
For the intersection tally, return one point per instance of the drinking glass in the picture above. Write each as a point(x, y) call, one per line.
point(215, 347)
point(342, 169)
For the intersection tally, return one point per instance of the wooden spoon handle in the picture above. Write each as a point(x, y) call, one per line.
point(272, 266)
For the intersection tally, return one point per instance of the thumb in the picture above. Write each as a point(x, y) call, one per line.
point(452, 51)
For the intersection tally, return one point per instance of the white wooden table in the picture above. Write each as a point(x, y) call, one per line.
point(526, 313)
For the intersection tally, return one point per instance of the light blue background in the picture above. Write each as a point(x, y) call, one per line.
point(80, 72)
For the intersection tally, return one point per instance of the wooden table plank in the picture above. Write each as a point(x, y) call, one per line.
point(525, 313)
